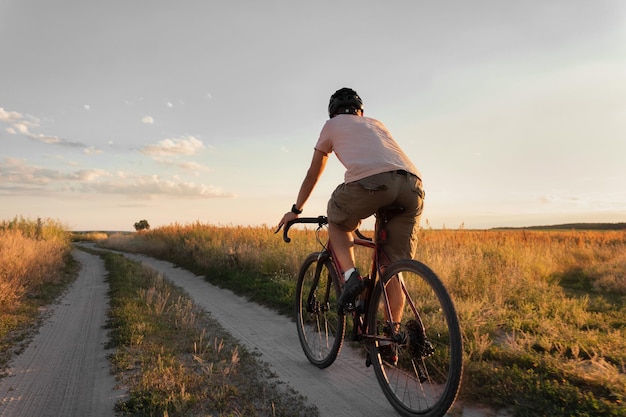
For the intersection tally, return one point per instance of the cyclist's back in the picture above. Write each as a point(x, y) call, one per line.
point(364, 146)
point(378, 173)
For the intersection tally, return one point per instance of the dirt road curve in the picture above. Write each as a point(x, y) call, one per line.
point(64, 371)
point(347, 388)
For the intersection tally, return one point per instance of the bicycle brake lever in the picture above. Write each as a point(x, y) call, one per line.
point(285, 238)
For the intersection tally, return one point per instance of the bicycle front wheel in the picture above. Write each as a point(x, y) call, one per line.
point(320, 328)
point(415, 340)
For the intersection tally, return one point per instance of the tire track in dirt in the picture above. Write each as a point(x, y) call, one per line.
point(64, 370)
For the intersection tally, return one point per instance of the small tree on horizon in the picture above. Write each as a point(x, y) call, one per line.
point(142, 225)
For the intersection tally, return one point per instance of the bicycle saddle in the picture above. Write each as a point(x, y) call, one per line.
point(388, 212)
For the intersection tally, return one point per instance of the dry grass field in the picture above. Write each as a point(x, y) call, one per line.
point(31, 254)
point(543, 313)
point(33, 264)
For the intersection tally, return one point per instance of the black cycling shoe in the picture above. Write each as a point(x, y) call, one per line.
point(353, 287)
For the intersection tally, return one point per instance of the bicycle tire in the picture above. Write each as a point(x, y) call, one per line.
point(320, 328)
point(421, 374)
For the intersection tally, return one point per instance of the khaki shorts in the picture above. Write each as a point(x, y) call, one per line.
point(352, 202)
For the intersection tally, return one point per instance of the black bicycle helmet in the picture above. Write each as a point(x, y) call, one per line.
point(344, 101)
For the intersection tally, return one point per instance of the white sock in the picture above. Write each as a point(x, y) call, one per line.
point(346, 275)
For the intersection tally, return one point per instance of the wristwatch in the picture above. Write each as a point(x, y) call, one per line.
point(295, 210)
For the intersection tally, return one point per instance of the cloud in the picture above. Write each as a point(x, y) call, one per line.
point(186, 145)
point(147, 120)
point(54, 140)
point(22, 125)
point(92, 151)
point(9, 116)
point(16, 171)
point(154, 185)
point(186, 165)
point(193, 166)
point(18, 178)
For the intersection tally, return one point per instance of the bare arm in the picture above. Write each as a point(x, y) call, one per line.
point(318, 164)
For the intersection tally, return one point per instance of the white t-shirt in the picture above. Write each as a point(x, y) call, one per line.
point(364, 146)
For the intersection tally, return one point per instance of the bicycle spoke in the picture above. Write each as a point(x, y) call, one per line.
point(418, 362)
point(320, 328)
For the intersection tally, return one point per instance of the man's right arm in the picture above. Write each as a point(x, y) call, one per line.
point(318, 164)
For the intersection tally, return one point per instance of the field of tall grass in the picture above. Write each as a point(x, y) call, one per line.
point(543, 313)
point(34, 263)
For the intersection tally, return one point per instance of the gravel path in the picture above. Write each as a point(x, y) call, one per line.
point(64, 370)
point(347, 388)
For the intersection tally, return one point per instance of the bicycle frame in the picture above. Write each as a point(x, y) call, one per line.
point(378, 261)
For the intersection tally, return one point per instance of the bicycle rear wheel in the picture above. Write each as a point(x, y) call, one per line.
point(418, 357)
point(320, 328)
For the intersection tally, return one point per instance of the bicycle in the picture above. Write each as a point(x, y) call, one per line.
point(416, 350)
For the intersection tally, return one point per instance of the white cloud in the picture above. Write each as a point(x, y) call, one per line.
point(17, 172)
point(193, 166)
point(9, 116)
point(186, 145)
point(147, 120)
point(21, 128)
point(154, 185)
point(92, 151)
point(22, 125)
point(186, 165)
point(16, 177)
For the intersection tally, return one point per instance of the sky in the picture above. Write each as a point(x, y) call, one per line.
point(207, 111)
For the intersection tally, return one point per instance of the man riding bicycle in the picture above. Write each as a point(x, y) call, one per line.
point(378, 174)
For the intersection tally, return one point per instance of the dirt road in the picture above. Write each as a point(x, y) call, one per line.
point(347, 388)
point(64, 371)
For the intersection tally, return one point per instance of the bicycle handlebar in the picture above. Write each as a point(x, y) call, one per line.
point(319, 220)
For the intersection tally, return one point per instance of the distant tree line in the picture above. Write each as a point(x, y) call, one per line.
point(572, 226)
